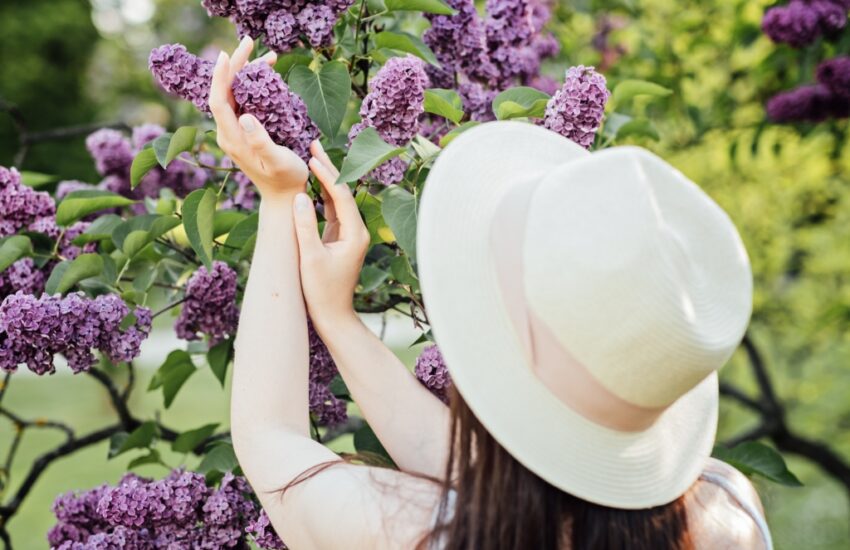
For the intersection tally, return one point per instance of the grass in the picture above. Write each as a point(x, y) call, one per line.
point(814, 517)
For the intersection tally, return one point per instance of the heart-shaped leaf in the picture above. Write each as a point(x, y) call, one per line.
point(171, 376)
point(626, 90)
point(68, 273)
point(182, 141)
point(753, 457)
point(187, 441)
point(518, 102)
point(143, 162)
point(426, 6)
point(399, 209)
point(367, 151)
point(12, 249)
point(79, 204)
point(405, 42)
point(446, 103)
point(198, 219)
point(326, 93)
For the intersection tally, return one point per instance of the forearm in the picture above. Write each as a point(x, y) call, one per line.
point(412, 424)
point(271, 352)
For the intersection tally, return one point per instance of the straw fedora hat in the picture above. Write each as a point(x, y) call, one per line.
point(583, 304)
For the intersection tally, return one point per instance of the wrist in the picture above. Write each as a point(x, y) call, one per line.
point(334, 322)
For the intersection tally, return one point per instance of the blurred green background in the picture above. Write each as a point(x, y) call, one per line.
point(73, 62)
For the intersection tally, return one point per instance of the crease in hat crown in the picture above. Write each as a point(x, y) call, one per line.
point(638, 273)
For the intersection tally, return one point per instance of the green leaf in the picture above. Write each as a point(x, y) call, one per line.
point(171, 376)
point(426, 6)
point(160, 148)
point(145, 278)
point(366, 442)
point(753, 457)
point(242, 237)
point(82, 203)
point(286, 62)
point(187, 441)
point(220, 458)
point(128, 321)
point(198, 214)
point(638, 127)
point(12, 249)
point(183, 140)
point(446, 103)
point(140, 438)
point(405, 42)
point(326, 93)
point(225, 220)
point(37, 180)
point(99, 229)
point(425, 148)
point(399, 209)
point(115, 443)
point(613, 123)
point(518, 102)
point(367, 151)
point(339, 388)
point(371, 277)
point(134, 234)
point(152, 457)
point(629, 89)
point(446, 139)
point(68, 273)
point(403, 272)
point(143, 163)
point(370, 208)
point(219, 358)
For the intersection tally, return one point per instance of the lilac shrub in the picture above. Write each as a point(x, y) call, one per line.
point(209, 305)
point(257, 88)
point(326, 408)
point(179, 511)
point(33, 330)
point(800, 22)
point(577, 109)
point(432, 372)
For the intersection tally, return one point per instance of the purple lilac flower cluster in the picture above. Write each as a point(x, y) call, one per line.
point(828, 99)
point(20, 205)
point(22, 208)
point(327, 409)
point(432, 372)
point(393, 107)
point(503, 49)
point(577, 109)
point(179, 511)
point(113, 155)
point(34, 329)
point(210, 304)
point(257, 89)
point(800, 22)
point(282, 24)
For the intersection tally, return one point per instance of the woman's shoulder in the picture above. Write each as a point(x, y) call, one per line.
point(724, 510)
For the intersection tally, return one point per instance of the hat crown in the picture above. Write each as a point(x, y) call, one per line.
point(637, 272)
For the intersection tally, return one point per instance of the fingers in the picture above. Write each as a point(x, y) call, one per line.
point(255, 136)
point(270, 58)
point(306, 228)
point(221, 103)
point(340, 195)
point(318, 151)
point(240, 56)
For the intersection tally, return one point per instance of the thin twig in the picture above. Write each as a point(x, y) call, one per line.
point(38, 423)
point(169, 307)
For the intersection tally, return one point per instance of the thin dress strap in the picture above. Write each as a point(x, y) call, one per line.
point(743, 502)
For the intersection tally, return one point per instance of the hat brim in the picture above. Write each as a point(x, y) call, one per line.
point(629, 470)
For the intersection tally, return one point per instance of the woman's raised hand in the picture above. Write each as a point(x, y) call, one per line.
point(330, 265)
point(274, 169)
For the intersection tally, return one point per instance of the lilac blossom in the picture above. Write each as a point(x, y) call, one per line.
point(324, 405)
point(22, 275)
point(33, 330)
point(459, 41)
point(209, 305)
point(432, 372)
point(812, 103)
point(64, 188)
point(795, 24)
point(317, 23)
point(111, 151)
point(835, 75)
point(577, 109)
point(263, 533)
point(20, 205)
point(281, 30)
point(393, 107)
point(219, 8)
point(180, 73)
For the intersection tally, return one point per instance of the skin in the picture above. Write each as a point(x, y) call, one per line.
point(367, 507)
point(295, 270)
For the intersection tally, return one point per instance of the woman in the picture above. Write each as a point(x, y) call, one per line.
point(583, 304)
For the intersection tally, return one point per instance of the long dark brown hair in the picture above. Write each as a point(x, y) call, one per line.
point(499, 504)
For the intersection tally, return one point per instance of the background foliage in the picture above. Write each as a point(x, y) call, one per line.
point(786, 188)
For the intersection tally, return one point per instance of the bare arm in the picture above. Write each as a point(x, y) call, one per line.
point(269, 405)
point(412, 424)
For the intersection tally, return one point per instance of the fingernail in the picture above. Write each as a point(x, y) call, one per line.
point(302, 202)
point(245, 40)
point(221, 57)
point(269, 56)
point(247, 123)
